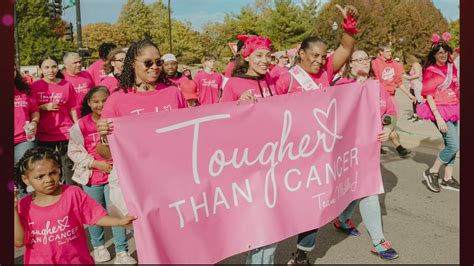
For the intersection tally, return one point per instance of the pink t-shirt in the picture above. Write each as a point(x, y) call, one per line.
point(110, 82)
point(208, 86)
point(96, 70)
point(389, 73)
point(24, 106)
point(55, 234)
point(386, 104)
point(82, 83)
point(322, 79)
point(91, 138)
point(54, 125)
point(277, 70)
point(236, 86)
point(432, 79)
point(136, 103)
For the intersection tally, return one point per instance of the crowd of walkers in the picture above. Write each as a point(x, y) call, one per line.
point(64, 167)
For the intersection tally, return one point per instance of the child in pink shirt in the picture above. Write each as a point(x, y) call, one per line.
point(50, 222)
point(92, 172)
point(209, 82)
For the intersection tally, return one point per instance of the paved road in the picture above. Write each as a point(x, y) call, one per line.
point(423, 226)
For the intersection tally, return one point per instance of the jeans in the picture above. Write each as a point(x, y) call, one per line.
point(19, 151)
point(371, 216)
point(451, 144)
point(67, 164)
point(263, 255)
point(101, 194)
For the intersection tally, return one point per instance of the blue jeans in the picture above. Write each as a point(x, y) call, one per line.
point(451, 144)
point(19, 151)
point(263, 255)
point(101, 194)
point(371, 216)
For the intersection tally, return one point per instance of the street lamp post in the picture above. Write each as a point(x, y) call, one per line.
point(169, 25)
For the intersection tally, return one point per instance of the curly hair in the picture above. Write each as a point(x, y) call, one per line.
point(31, 156)
point(108, 68)
point(85, 108)
point(20, 84)
point(127, 78)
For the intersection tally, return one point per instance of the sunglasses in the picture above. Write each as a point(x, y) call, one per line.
point(360, 60)
point(149, 63)
point(119, 60)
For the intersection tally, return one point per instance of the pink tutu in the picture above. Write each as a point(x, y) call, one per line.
point(447, 112)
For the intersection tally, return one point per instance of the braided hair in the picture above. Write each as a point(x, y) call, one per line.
point(20, 84)
point(127, 78)
point(31, 156)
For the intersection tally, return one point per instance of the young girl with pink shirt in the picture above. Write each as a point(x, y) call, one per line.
point(441, 90)
point(57, 103)
point(92, 172)
point(50, 222)
point(139, 93)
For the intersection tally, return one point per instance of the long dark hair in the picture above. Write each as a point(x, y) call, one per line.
point(431, 60)
point(85, 108)
point(46, 57)
point(20, 84)
point(127, 78)
point(31, 156)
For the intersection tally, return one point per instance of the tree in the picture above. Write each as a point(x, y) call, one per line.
point(98, 33)
point(454, 30)
point(39, 34)
point(136, 19)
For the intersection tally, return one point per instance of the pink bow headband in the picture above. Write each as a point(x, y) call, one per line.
point(437, 40)
point(252, 43)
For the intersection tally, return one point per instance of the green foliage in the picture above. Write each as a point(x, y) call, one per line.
point(454, 30)
point(38, 34)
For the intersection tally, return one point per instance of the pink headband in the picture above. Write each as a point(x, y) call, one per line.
point(252, 43)
point(437, 40)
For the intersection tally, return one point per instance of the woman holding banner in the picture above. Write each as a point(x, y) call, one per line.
point(250, 80)
point(139, 93)
point(358, 70)
point(315, 71)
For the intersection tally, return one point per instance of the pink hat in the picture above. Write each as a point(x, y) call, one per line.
point(188, 89)
point(252, 43)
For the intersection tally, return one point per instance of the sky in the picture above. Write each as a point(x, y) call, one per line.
point(198, 12)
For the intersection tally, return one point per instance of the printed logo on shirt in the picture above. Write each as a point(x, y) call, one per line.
point(58, 231)
point(94, 137)
point(388, 73)
point(157, 109)
point(46, 97)
point(209, 83)
point(81, 88)
point(20, 101)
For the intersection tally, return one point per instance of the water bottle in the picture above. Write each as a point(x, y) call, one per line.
point(30, 136)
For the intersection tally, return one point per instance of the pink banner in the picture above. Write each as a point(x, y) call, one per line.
point(211, 182)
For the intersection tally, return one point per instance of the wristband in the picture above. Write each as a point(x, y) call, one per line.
point(349, 25)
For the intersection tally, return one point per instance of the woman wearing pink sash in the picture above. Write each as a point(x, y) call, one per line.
point(441, 90)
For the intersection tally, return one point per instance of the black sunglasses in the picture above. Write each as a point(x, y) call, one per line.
point(149, 63)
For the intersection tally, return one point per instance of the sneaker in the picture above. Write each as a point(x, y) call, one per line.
point(402, 152)
point(300, 258)
point(124, 258)
point(432, 180)
point(416, 119)
point(382, 151)
point(101, 254)
point(384, 250)
point(411, 117)
point(347, 227)
point(451, 184)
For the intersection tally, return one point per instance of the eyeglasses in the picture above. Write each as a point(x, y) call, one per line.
point(361, 60)
point(119, 60)
point(149, 63)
